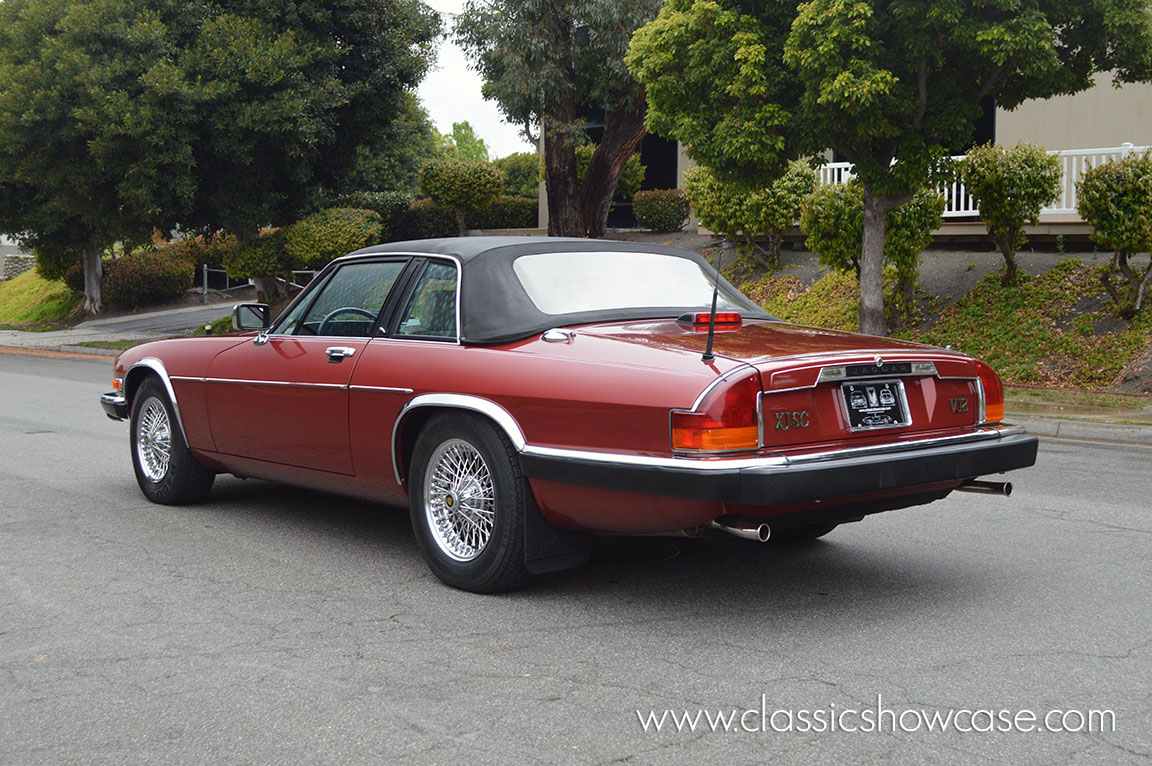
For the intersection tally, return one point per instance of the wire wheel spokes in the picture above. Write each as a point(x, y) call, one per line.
point(459, 499)
point(154, 440)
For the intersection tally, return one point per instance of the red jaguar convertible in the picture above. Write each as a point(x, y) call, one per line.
point(522, 394)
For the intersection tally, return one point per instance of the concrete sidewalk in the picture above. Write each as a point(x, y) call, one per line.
point(1052, 419)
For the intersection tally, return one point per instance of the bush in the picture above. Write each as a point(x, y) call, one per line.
point(661, 209)
point(317, 239)
point(144, 278)
point(427, 220)
point(1116, 199)
point(74, 276)
point(832, 217)
point(1011, 184)
point(263, 257)
point(505, 213)
point(742, 212)
point(392, 207)
point(461, 185)
point(521, 174)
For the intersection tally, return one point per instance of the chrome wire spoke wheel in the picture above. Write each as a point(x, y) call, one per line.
point(459, 499)
point(154, 440)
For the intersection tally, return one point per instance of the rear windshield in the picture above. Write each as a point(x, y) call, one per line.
point(569, 283)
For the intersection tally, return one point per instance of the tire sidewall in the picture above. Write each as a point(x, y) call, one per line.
point(166, 490)
point(504, 548)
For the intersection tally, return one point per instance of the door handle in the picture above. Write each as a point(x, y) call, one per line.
point(336, 354)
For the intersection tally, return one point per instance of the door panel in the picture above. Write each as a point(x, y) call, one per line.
point(284, 401)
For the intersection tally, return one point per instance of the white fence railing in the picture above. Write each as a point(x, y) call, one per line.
point(958, 203)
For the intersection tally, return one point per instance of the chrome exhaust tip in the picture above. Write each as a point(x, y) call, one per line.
point(1003, 488)
point(759, 533)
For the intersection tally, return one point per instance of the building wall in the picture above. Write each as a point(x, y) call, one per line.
point(1099, 117)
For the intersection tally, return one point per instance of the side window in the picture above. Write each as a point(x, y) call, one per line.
point(348, 304)
point(431, 312)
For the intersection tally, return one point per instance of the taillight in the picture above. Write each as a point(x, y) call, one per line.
point(993, 394)
point(726, 420)
point(705, 317)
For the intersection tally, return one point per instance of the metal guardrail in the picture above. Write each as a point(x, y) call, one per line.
point(960, 204)
point(230, 284)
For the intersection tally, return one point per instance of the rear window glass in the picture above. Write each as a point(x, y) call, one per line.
point(570, 283)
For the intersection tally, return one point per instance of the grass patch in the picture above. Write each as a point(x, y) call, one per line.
point(116, 345)
point(219, 327)
point(1030, 334)
point(30, 299)
point(32, 326)
point(1088, 398)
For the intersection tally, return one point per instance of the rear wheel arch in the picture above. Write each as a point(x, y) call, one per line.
point(416, 414)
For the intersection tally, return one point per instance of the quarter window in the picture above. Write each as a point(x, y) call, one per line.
point(431, 312)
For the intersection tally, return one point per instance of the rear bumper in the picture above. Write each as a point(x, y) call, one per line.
point(114, 405)
point(776, 480)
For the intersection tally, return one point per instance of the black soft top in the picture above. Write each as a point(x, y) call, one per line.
point(494, 308)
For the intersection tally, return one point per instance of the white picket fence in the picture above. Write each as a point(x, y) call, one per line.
point(960, 204)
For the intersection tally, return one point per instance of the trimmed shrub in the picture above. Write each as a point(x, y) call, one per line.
point(505, 213)
point(321, 237)
point(461, 184)
point(1011, 184)
point(427, 220)
point(74, 276)
point(741, 212)
point(144, 278)
point(521, 174)
point(661, 209)
point(263, 257)
point(392, 207)
point(631, 177)
point(1116, 199)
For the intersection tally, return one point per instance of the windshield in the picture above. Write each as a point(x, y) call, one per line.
point(570, 283)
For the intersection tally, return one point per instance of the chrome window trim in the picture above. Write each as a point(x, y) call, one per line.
point(459, 280)
point(157, 366)
point(498, 414)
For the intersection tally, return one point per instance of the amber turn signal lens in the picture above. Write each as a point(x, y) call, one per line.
point(993, 393)
point(714, 439)
point(117, 383)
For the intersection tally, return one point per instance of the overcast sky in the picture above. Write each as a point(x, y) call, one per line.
point(451, 93)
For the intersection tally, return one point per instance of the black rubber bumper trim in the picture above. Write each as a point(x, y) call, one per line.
point(772, 485)
point(114, 406)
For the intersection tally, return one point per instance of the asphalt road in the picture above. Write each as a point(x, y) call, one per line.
point(274, 625)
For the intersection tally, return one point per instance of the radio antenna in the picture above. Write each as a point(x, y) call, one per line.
point(708, 355)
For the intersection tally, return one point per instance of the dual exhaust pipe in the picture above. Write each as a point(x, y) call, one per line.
point(758, 533)
point(1002, 488)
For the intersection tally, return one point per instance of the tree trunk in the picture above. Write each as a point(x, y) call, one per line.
point(560, 175)
point(872, 264)
point(93, 273)
point(623, 131)
point(1007, 243)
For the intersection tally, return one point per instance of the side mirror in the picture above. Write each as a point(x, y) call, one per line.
point(251, 316)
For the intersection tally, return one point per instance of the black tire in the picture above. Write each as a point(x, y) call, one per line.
point(466, 497)
point(801, 534)
point(180, 480)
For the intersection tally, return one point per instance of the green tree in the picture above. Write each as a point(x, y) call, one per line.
point(391, 160)
point(743, 210)
point(118, 117)
point(521, 174)
point(832, 217)
point(1116, 198)
point(461, 185)
point(892, 85)
point(631, 175)
point(464, 144)
point(542, 60)
point(1012, 185)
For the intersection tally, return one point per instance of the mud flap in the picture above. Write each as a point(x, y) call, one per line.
point(547, 547)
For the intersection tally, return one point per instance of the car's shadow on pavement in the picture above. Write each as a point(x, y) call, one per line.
point(851, 570)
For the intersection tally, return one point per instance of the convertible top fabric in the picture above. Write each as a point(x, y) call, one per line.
point(495, 309)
